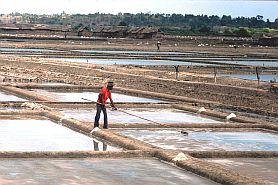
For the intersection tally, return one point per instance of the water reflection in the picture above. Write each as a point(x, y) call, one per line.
point(208, 140)
point(96, 146)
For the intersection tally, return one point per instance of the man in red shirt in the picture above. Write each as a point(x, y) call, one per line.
point(104, 94)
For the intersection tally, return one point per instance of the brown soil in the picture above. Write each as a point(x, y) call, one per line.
point(194, 82)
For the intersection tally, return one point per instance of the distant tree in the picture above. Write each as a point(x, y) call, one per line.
point(275, 24)
point(204, 30)
point(226, 20)
point(268, 23)
point(123, 23)
point(259, 17)
point(242, 32)
point(172, 23)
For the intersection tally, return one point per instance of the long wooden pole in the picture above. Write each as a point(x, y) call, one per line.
point(125, 112)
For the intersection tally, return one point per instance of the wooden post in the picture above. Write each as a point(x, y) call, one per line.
point(215, 72)
point(258, 76)
point(177, 71)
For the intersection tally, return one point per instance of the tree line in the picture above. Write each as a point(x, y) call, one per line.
point(169, 23)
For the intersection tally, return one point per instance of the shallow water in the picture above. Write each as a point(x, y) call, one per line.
point(130, 62)
point(28, 49)
point(207, 140)
point(263, 77)
point(77, 96)
point(44, 135)
point(8, 97)
point(262, 168)
point(250, 63)
point(156, 115)
point(95, 171)
point(236, 59)
point(137, 52)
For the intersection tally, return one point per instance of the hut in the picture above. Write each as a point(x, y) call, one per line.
point(34, 29)
point(121, 31)
point(149, 32)
point(266, 39)
point(113, 32)
point(84, 31)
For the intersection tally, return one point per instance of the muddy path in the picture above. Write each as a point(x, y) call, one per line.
point(249, 97)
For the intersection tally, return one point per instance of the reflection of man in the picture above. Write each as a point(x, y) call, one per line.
point(104, 94)
point(177, 71)
point(96, 148)
point(158, 44)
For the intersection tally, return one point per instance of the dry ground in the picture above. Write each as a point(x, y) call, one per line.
point(193, 83)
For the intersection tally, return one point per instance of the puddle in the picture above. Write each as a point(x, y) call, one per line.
point(77, 96)
point(264, 169)
point(130, 62)
point(44, 135)
point(8, 97)
point(156, 115)
point(207, 140)
point(263, 77)
point(95, 171)
point(261, 53)
point(138, 52)
point(11, 108)
point(266, 63)
point(28, 49)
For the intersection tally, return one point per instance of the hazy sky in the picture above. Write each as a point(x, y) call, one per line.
point(247, 8)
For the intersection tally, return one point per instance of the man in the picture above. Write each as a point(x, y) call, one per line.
point(158, 44)
point(104, 94)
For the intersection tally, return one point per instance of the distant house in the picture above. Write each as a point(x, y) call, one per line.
point(134, 32)
point(34, 29)
point(7, 19)
point(148, 32)
point(266, 39)
point(115, 32)
point(84, 31)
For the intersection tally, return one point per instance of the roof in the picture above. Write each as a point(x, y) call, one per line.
point(109, 29)
point(265, 35)
point(35, 27)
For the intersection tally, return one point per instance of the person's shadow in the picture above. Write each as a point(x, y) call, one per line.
point(96, 148)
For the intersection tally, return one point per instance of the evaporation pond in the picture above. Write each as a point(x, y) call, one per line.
point(136, 52)
point(207, 140)
point(44, 135)
point(131, 115)
point(9, 97)
point(251, 63)
point(77, 96)
point(27, 49)
point(263, 77)
point(95, 171)
point(131, 62)
point(263, 168)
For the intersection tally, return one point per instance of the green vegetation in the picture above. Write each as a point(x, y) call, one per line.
point(176, 24)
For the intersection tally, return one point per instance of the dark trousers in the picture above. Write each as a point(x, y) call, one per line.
point(99, 109)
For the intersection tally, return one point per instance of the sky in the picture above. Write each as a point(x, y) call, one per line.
point(247, 8)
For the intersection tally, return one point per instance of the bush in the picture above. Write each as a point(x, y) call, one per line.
point(242, 32)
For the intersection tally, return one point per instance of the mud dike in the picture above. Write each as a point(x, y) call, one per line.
point(153, 138)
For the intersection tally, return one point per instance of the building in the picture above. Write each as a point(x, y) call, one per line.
point(266, 39)
point(8, 19)
point(122, 32)
point(35, 29)
point(84, 31)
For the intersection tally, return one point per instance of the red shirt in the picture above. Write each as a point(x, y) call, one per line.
point(105, 95)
